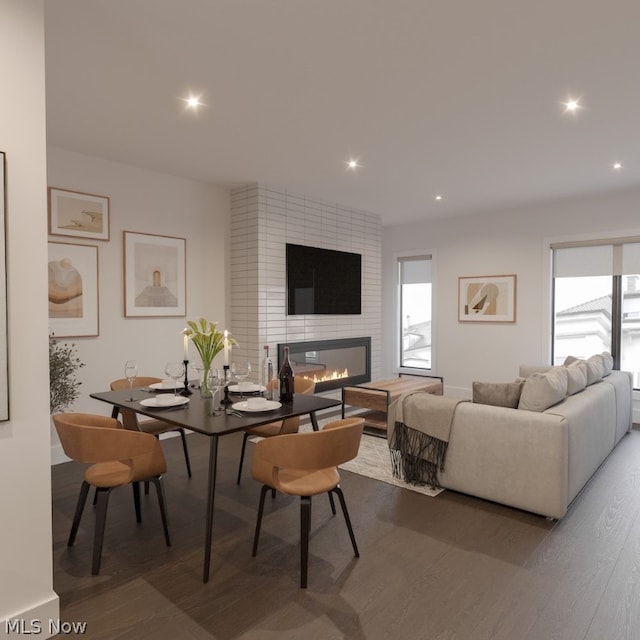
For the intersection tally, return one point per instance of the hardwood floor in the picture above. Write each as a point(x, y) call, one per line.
point(444, 568)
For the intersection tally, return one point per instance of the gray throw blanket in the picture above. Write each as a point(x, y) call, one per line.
point(418, 433)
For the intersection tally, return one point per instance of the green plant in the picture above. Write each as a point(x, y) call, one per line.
point(63, 365)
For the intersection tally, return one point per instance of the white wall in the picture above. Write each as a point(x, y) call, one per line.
point(144, 202)
point(497, 243)
point(26, 579)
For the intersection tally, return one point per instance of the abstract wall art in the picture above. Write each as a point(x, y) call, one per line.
point(81, 215)
point(73, 290)
point(487, 298)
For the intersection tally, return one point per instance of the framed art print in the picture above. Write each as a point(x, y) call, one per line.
point(73, 290)
point(487, 299)
point(154, 275)
point(81, 215)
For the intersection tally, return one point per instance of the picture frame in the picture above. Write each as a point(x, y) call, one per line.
point(4, 348)
point(487, 298)
point(154, 275)
point(76, 214)
point(73, 290)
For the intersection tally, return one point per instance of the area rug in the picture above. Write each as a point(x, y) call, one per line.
point(374, 461)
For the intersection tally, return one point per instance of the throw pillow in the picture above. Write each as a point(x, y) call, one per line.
point(498, 394)
point(542, 390)
point(576, 377)
point(607, 360)
point(595, 369)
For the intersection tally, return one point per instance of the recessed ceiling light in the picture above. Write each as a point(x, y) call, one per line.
point(572, 105)
point(353, 164)
point(616, 166)
point(438, 198)
point(193, 102)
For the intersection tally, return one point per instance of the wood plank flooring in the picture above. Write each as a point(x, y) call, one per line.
point(446, 568)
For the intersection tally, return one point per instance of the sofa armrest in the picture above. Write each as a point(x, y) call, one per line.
point(515, 457)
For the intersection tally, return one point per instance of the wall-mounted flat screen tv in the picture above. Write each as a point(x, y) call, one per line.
point(323, 281)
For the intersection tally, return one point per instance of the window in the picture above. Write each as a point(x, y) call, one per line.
point(596, 302)
point(414, 285)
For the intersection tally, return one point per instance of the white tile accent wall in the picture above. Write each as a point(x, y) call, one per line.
point(263, 220)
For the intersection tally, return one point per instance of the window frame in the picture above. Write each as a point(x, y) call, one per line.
point(398, 323)
point(617, 293)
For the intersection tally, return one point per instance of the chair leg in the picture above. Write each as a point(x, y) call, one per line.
point(157, 481)
point(98, 537)
point(343, 504)
point(332, 503)
point(244, 446)
point(256, 536)
point(136, 501)
point(305, 526)
point(186, 451)
point(82, 499)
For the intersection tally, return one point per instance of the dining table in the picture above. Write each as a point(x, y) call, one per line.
point(198, 416)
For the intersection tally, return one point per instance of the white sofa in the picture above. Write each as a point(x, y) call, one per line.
point(537, 460)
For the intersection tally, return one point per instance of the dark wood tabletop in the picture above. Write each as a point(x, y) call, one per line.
point(198, 416)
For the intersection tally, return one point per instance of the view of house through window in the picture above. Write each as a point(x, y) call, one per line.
point(597, 304)
point(414, 281)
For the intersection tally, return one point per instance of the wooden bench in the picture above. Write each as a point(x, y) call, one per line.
point(376, 396)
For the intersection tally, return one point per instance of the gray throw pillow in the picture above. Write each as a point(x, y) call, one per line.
point(577, 377)
point(607, 360)
point(542, 390)
point(498, 394)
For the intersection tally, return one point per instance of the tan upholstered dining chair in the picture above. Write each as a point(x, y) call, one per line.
point(288, 425)
point(118, 457)
point(153, 426)
point(305, 465)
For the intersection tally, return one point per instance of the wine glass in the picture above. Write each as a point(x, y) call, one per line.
point(216, 382)
point(241, 371)
point(175, 371)
point(131, 373)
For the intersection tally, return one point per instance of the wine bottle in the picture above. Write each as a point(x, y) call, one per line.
point(266, 373)
point(286, 379)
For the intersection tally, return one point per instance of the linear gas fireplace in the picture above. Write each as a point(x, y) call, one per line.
point(331, 363)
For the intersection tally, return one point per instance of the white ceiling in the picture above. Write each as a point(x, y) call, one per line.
point(457, 97)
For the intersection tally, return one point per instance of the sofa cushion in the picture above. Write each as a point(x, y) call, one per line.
point(542, 390)
point(576, 377)
point(498, 394)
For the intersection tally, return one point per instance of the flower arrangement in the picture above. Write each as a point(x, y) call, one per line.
point(208, 339)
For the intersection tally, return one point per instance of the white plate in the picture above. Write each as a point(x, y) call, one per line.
point(248, 387)
point(165, 384)
point(170, 402)
point(269, 405)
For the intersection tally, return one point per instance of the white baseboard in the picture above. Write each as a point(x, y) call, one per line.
point(42, 619)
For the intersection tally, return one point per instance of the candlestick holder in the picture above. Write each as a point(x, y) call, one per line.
point(226, 400)
point(186, 391)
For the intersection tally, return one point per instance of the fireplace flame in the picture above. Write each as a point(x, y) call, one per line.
point(334, 375)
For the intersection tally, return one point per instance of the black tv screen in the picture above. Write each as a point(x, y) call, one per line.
point(323, 281)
